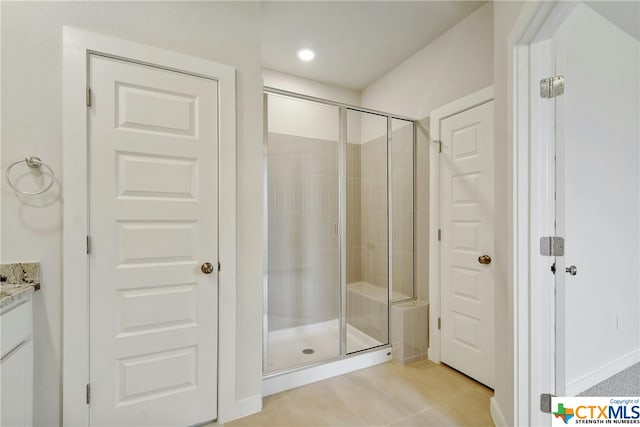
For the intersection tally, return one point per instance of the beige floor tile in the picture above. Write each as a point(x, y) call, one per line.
point(421, 394)
point(411, 421)
point(436, 417)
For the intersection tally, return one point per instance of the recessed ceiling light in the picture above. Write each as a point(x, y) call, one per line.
point(306, 55)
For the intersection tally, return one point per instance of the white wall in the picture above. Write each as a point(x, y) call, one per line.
point(32, 123)
point(311, 120)
point(298, 117)
point(506, 17)
point(457, 63)
point(600, 128)
point(314, 88)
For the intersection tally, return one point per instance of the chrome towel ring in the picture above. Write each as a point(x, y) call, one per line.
point(34, 163)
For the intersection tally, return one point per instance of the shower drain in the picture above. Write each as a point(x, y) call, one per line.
point(308, 351)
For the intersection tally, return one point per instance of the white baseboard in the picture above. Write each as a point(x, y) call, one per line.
point(243, 407)
point(496, 413)
point(289, 380)
point(602, 373)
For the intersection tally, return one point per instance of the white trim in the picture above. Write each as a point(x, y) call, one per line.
point(473, 100)
point(77, 44)
point(602, 373)
point(1, 198)
point(520, 243)
point(289, 380)
point(533, 299)
point(496, 413)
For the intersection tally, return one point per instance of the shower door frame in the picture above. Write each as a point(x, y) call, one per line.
point(342, 223)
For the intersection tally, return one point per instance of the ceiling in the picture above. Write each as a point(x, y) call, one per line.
point(355, 42)
point(624, 14)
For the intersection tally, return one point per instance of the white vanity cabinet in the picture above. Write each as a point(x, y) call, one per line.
point(16, 363)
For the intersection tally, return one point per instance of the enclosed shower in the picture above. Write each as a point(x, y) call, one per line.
point(339, 215)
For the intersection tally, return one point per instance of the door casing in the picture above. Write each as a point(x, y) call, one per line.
point(77, 45)
point(533, 210)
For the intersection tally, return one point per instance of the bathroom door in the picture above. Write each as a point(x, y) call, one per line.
point(153, 226)
point(467, 242)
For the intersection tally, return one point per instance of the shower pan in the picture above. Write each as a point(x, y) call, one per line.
point(339, 215)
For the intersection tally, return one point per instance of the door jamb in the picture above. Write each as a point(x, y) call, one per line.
point(470, 101)
point(77, 45)
point(533, 208)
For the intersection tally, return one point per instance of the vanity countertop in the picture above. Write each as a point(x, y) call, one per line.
point(19, 281)
point(10, 292)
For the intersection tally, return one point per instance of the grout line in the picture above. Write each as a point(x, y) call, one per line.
point(413, 414)
point(401, 419)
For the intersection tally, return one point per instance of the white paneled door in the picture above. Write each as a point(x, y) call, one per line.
point(153, 223)
point(467, 242)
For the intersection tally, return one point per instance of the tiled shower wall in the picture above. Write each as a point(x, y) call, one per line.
point(367, 207)
point(373, 218)
point(354, 212)
point(303, 212)
point(303, 244)
point(402, 207)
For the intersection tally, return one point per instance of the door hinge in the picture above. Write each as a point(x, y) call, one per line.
point(435, 141)
point(552, 87)
point(88, 96)
point(551, 246)
point(219, 267)
point(88, 394)
point(439, 324)
point(545, 402)
point(88, 244)
point(439, 234)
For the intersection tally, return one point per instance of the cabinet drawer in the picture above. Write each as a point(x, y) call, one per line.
point(16, 326)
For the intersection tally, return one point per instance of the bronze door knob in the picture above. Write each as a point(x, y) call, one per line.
point(484, 259)
point(207, 268)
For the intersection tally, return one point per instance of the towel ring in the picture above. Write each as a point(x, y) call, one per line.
point(34, 163)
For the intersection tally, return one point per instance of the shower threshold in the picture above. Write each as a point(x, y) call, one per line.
point(281, 381)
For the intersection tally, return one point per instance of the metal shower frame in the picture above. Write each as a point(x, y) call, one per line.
point(342, 187)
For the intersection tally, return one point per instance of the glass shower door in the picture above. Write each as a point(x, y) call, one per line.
point(303, 290)
point(367, 232)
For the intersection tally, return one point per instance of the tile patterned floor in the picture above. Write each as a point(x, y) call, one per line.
point(419, 394)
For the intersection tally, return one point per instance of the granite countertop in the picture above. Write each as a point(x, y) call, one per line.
point(17, 281)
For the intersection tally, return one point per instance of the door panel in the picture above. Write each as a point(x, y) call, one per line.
point(368, 243)
point(598, 203)
point(466, 200)
point(153, 215)
point(303, 257)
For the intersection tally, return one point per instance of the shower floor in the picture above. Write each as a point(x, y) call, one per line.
point(286, 346)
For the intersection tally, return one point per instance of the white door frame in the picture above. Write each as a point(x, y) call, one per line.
point(533, 175)
point(477, 98)
point(77, 45)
